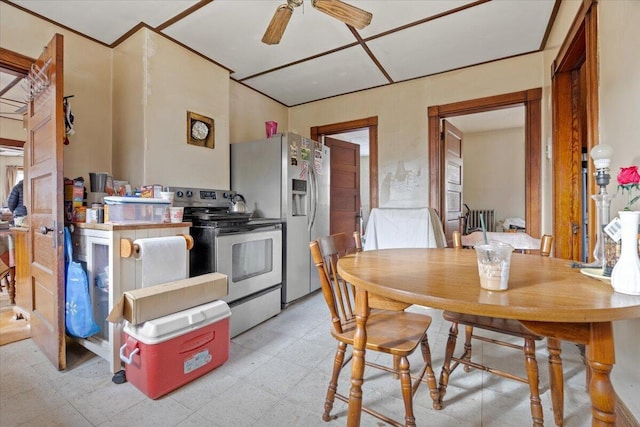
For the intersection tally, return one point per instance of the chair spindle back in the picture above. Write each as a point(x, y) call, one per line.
point(338, 294)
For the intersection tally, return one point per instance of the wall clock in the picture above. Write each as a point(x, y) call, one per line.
point(200, 130)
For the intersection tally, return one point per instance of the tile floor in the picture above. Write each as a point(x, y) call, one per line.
point(276, 375)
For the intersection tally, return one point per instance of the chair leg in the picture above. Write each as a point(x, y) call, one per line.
point(556, 380)
point(407, 393)
point(431, 378)
point(446, 365)
point(11, 285)
point(333, 384)
point(396, 367)
point(468, 333)
point(532, 375)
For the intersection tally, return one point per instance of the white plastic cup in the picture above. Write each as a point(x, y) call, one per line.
point(176, 213)
point(494, 262)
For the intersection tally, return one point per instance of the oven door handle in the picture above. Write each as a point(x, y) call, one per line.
point(264, 229)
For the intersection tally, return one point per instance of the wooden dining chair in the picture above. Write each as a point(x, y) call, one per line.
point(509, 327)
point(389, 329)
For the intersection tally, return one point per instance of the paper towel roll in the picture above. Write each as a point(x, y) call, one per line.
point(164, 259)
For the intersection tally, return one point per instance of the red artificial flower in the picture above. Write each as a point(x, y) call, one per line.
point(628, 180)
point(629, 176)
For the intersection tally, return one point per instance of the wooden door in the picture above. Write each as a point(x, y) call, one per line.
point(452, 142)
point(44, 202)
point(345, 186)
point(574, 95)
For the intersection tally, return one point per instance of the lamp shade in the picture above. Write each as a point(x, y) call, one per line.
point(601, 155)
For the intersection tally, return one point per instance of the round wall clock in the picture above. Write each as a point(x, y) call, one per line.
point(199, 130)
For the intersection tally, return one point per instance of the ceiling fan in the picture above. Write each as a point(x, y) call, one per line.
point(338, 9)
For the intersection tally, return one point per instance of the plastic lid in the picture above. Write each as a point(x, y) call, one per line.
point(118, 200)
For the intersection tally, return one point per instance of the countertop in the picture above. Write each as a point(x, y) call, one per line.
point(114, 226)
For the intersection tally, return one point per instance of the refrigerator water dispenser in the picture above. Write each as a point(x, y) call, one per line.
point(299, 197)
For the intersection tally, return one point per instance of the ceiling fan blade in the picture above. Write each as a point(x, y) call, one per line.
point(278, 24)
point(344, 12)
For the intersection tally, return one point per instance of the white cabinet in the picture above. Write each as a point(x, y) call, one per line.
point(97, 247)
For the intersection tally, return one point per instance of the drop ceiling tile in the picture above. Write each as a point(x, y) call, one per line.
point(344, 71)
point(388, 15)
point(106, 20)
point(490, 31)
point(230, 33)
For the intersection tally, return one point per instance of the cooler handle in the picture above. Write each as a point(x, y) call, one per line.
point(126, 359)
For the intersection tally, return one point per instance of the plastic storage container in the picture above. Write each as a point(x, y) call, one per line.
point(163, 354)
point(135, 210)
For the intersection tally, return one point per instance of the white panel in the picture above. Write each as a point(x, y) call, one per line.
point(388, 15)
point(483, 33)
point(341, 72)
point(106, 20)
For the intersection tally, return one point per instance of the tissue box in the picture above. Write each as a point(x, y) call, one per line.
point(144, 304)
point(166, 353)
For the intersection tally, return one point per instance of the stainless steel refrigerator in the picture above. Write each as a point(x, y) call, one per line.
point(287, 177)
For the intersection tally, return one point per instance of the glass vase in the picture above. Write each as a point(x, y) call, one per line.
point(625, 277)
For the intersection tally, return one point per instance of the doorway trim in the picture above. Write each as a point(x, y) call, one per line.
point(531, 99)
point(575, 118)
point(370, 123)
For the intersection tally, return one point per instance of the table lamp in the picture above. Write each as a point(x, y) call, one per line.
point(601, 155)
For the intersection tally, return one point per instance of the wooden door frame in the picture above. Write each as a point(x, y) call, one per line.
point(580, 48)
point(370, 123)
point(19, 65)
point(531, 99)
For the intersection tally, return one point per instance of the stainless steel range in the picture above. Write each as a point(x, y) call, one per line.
point(248, 250)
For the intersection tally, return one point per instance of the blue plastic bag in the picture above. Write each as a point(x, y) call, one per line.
point(78, 319)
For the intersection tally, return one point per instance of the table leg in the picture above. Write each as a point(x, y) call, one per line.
point(357, 362)
point(601, 357)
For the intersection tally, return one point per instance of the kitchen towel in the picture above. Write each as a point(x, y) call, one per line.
point(163, 259)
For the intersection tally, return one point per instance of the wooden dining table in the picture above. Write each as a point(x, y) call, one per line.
point(545, 294)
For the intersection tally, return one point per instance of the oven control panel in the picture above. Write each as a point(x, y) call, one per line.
point(193, 197)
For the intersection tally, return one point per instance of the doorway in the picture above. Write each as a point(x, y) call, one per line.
point(364, 129)
point(531, 100)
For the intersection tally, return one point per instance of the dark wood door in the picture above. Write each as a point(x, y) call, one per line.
point(44, 201)
point(345, 186)
point(452, 140)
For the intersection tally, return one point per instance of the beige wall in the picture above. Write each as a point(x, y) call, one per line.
point(248, 112)
point(620, 127)
point(494, 172)
point(128, 110)
point(87, 76)
point(402, 117)
point(12, 129)
point(155, 83)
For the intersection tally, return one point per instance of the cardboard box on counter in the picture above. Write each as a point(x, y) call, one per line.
point(144, 304)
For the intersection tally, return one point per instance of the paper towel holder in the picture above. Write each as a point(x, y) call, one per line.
point(128, 248)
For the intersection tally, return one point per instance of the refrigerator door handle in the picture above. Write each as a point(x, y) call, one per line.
point(314, 197)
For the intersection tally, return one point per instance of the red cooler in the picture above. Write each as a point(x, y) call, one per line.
point(163, 354)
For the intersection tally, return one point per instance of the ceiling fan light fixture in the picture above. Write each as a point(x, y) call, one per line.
point(344, 12)
point(278, 24)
